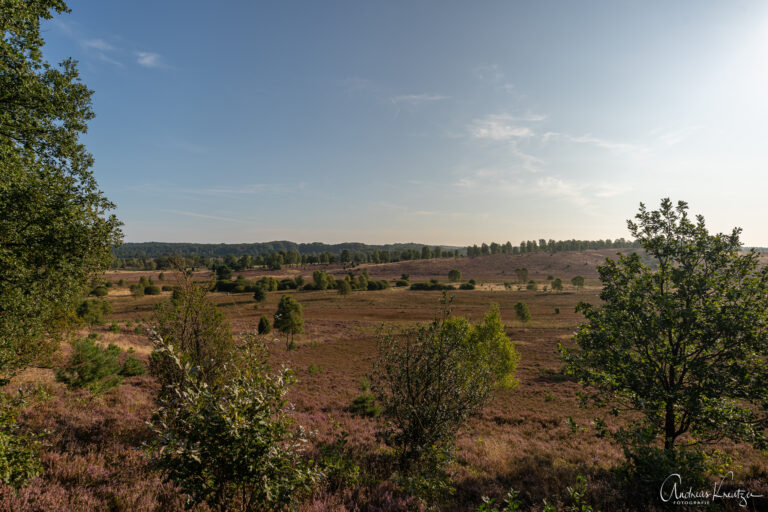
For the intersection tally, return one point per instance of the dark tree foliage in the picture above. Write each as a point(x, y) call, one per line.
point(54, 227)
point(681, 344)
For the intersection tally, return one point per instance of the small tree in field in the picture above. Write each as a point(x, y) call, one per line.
point(557, 284)
point(288, 319)
point(231, 444)
point(682, 345)
point(264, 326)
point(578, 282)
point(522, 312)
point(196, 328)
point(454, 275)
point(259, 294)
point(343, 287)
point(431, 379)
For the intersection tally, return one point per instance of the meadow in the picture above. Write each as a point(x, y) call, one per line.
point(533, 438)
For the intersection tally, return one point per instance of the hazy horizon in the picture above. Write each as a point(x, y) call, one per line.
point(447, 123)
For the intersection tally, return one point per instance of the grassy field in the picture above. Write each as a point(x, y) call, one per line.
point(533, 438)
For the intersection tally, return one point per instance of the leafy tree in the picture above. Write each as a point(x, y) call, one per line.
point(288, 318)
point(578, 281)
point(431, 379)
point(522, 312)
point(231, 445)
point(321, 279)
point(259, 294)
point(681, 343)
point(521, 274)
point(557, 284)
point(18, 449)
point(54, 228)
point(454, 275)
point(343, 287)
point(264, 325)
point(223, 272)
point(197, 329)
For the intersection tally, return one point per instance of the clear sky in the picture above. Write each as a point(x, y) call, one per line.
point(426, 121)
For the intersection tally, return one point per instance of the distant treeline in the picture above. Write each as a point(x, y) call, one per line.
point(273, 255)
point(550, 246)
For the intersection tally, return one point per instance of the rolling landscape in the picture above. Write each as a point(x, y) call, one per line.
point(383, 256)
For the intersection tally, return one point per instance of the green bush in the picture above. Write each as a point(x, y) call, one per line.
point(132, 366)
point(167, 288)
point(93, 311)
point(137, 290)
point(466, 286)
point(432, 285)
point(121, 282)
point(259, 294)
point(152, 290)
point(454, 275)
point(531, 285)
point(92, 366)
point(314, 368)
point(231, 443)
point(454, 365)
point(264, 325)
point(100, 291)
point(365, 405)
point(113, 327)
point(401, 283)
point(18, 450)
point(343, 287)
point(522, 312)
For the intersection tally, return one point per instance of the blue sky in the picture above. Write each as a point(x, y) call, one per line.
point(426, 121)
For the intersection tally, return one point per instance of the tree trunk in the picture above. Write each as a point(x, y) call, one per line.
point(669, 427)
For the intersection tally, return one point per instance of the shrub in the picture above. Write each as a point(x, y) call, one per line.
point(431, 286)
point(531, 285)
point(132, 366)
point(231, 442)
point(113, 327)
point(578, 282)
point(167, 288)
point(259, 294)
point(152, 290)
point(314, 368)
point(378, 285)
point(121, 282)
point(93, 311)
point(405, 277)
point(557, 284)
point(522, 312)
point(466, 286)
point(18, 450)
point(454, 365)
point(264, 325)
point(365, 405)
point(197, 329)
point(100, 291)
point(472, 281)
point(454, 275)
point(343, 287)
point(92, 366)
point(137, 290)
point(401, 283)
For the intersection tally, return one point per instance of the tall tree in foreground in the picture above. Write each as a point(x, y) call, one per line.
point(682, 346)
point(54, 227)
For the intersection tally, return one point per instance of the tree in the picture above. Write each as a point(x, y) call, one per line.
point(231, 444)
point(259, 294)
point(343, 287)
point(578, 281)
point(681, 343)
point(522, 312)
point(288, 318)
point(321, 279)
point(54, 228)
point(431, 379)
point(557, 284)
point(196, 328)
point(454, 275)
point(264, 326)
